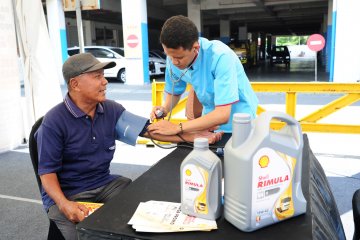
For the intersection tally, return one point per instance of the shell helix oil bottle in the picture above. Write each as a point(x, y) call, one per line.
point(200, 176)
point(262, 171)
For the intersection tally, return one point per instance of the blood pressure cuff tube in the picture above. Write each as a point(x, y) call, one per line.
point(129, 126)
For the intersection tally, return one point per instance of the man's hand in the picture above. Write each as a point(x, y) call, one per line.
point(164, 127)
point(74, 211)
point(211, 136)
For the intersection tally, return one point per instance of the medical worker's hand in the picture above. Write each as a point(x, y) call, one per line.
point(158, 112)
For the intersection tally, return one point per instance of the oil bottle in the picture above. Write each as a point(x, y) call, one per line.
point(262, 171)
point(200, 176)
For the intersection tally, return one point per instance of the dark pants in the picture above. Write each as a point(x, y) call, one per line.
point(101, 195)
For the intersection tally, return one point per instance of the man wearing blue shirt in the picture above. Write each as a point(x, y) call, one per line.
point(213, 70)
point(76, 143)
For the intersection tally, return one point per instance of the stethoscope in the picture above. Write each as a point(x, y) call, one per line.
point(175, 80)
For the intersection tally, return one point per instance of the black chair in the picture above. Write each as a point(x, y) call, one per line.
point(54, 232)
point(356, 214)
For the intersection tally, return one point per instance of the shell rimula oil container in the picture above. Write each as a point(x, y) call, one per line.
point(262, 171)
point(201, 182)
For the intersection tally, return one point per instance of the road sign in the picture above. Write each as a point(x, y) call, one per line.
point(70, 5)
point(132, 40)
point(316, 42)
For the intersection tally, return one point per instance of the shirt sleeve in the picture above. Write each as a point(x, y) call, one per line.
point(129, 127)
point(49, 149)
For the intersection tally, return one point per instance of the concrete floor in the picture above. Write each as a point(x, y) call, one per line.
point(21, 214)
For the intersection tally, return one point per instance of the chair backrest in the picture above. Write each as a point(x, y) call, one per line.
point(356, 214)
point(54, 232)
point(33, 150)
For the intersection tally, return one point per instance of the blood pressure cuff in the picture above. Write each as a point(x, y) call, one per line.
point(129, 126)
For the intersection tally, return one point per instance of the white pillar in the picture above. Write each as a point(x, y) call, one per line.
point(194, 13)
point(225, 31)
point(87, 32)
point(136, 46)
point(347, 49)
point(57, 33)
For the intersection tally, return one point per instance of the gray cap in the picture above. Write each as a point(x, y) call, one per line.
point(82, 63)
point(201, 143)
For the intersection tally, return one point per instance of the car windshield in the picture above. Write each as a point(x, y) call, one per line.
point(280, 49)
point(118, 50)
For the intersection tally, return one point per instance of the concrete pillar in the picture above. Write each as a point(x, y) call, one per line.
point(347, 49)
point(87, 30)
point(269, 44)
point(135, 33)
point(57, 33)
point(194, 13)
point(225, 31)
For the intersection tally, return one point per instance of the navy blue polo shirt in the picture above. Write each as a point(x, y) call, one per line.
point(80, 149)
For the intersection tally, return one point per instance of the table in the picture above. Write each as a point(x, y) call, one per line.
point(162, 183)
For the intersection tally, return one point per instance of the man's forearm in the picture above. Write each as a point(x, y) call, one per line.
point(52, 187)
point(170, 138)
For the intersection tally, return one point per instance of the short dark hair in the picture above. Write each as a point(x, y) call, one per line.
point(179, 31)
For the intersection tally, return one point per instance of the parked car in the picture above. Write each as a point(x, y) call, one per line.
point(106, 54)
point(157, 65)
point(116, 54)
point(242, 50)
point(157, 53)
point(280, 54)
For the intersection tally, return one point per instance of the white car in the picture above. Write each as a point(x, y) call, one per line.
point(116, 54)
point(106, 54)
point(157, 65)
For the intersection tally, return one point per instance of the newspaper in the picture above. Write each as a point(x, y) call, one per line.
point(158, 216)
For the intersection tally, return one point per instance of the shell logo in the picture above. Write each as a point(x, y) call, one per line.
point(188, 172)
point(264, 161)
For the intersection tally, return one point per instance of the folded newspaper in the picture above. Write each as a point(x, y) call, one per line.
point(158, 216)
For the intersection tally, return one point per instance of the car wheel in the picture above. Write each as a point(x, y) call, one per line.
point(288, 65)
point(121, 77)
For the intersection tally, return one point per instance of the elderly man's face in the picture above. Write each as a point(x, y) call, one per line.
point(92, 86)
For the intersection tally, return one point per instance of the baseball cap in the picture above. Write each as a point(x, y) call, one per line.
point(82, 63)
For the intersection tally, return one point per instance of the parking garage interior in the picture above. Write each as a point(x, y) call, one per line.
point(258, 21)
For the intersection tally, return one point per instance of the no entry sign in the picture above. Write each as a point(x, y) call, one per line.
point(132, 41)
point(316, 42)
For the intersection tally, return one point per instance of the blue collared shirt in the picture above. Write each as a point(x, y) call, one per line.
point(218, 78)
point(80, 149)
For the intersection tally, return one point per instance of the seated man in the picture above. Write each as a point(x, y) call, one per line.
point(76, 143)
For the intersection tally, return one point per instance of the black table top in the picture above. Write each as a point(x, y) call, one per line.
point(162, 183)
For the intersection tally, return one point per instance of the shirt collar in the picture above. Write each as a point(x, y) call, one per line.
point(75, 110)
point(196, 63)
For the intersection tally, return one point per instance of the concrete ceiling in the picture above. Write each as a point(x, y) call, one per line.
point(276, 17)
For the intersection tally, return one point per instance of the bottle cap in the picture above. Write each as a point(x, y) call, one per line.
point(201, 143)
point(241, 118)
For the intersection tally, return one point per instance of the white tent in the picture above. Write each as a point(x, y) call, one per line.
point(41, 82)
point(11, 130)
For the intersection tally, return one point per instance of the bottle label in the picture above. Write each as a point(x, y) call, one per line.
point(272, 187)
point(194, 188)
